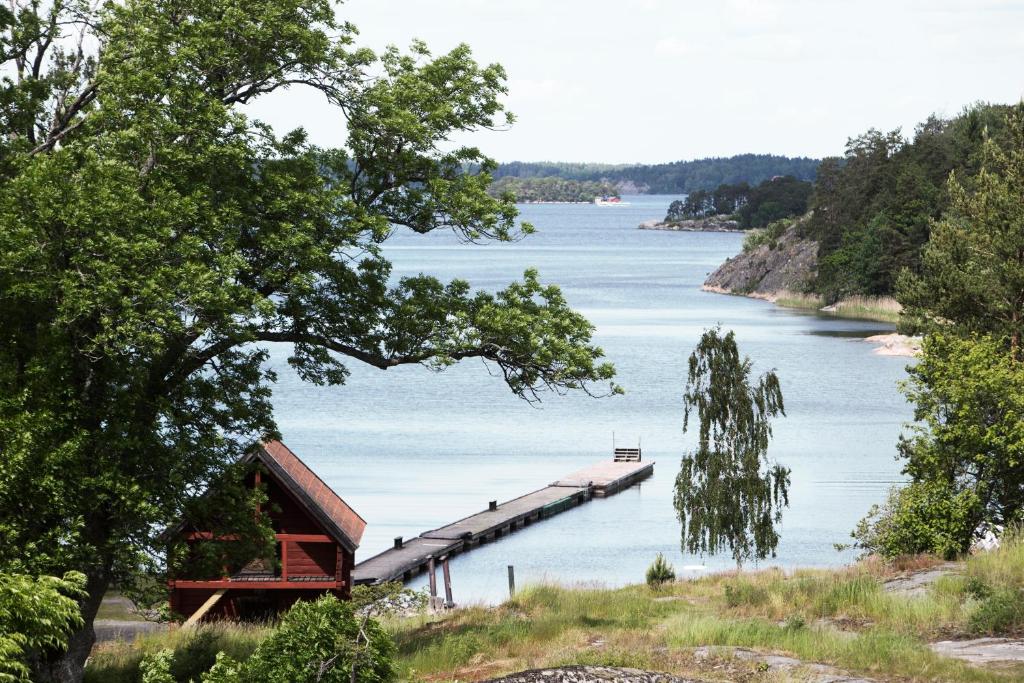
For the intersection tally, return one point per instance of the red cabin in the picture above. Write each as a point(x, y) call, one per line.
point(317, 536)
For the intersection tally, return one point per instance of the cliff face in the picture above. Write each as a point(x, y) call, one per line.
point(787, 264)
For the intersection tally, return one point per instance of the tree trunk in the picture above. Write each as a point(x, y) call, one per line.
point(69, 666)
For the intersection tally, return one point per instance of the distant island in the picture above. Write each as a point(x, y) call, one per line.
point(734, 207)
point(677, 177)
point(552, 190)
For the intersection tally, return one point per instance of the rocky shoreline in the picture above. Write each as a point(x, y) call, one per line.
point(713, 224)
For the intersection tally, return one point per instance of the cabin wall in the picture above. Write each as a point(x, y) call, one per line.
point(312, 559)
point(286, 515)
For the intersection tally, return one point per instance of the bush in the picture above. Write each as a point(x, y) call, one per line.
point(769, 235)
point(37, 615)
point(922, 517)
point(316, 641)
point(321, 641)
point(1001, 612)
point(660, 572)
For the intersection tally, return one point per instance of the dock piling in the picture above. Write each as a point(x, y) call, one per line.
point(511, 581)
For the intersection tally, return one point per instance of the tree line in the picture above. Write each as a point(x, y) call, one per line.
point(678, 177)
point(753, 207)
point(551, 189)
point(874, 207)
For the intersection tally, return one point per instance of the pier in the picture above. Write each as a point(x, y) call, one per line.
point(410, 557)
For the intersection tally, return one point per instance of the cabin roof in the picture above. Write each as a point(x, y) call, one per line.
point(339, 520)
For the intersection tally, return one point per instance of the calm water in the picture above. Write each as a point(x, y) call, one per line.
point(411, 449)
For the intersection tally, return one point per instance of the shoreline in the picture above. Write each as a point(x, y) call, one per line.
point(880, 310)
point(696, 225)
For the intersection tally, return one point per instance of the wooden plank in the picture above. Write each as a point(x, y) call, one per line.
point(411, 557)
point(487, 522)
point(206, 607)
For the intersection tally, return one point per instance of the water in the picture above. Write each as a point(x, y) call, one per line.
point(411, 449)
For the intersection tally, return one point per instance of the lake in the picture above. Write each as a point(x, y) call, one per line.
point(411, 449)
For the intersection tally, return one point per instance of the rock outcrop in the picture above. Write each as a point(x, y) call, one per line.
point(786, 264)
point(710, 224)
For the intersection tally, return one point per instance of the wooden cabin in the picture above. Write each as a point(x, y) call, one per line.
point(317, 536)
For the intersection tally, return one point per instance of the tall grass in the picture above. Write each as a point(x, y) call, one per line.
point(881, 308)
point(799, 300)
point(194, 651)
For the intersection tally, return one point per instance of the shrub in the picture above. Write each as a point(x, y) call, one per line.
point(922, 517)
point(156, 668)
point(322, 641)
point(660, 572)
point(1000, 613)
point(37, 614)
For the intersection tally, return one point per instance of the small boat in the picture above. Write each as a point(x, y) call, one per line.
point(610, 201)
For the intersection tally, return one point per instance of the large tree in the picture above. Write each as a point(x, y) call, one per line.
point(727, 493)
point(968, 444)
point(154, 238)
point(972, 271)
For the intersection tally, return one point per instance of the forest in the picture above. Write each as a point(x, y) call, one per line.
point(678, 177)
point(552, 189)
point(753, 207)
point(873, 207)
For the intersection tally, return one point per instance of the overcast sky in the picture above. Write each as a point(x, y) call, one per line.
point(658, 80)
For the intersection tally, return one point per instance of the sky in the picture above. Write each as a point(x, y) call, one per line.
point(648, 81)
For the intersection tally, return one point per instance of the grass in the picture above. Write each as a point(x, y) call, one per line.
point(843, 618)
point(194, 651)
point(799, 300)
point(881, 308)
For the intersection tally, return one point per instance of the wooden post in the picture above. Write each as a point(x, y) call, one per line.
point(432, 576)
point(398, 542)
point(492, 505)
point(284, 560)
point(448, 602)
point(511, 581)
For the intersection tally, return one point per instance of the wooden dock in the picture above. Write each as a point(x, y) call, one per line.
point(410, 557)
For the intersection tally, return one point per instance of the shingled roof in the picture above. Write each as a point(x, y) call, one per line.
point(339, 520)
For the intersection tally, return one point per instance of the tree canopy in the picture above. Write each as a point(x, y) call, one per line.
point(965, 452)
point(677, 177)
point(155, 238)
point(552, 189)
point(753, 207)
point(727, 493)
point(874, 207)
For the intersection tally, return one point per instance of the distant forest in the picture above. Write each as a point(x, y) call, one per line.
point(753, 207)
point(552, 189)
point(678, 177)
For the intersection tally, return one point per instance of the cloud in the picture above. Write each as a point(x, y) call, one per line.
point(673, 47)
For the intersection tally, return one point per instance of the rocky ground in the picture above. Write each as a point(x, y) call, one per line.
point(895, 344)
point(591, 674)
point(786, 266)
point(711, 224)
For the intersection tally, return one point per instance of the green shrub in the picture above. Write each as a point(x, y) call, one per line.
point(769, 235)
point(321, 641)
point(1000, 613)
point(921, 517)
point(37, 614)
point(156, 668)
point(660, 572)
